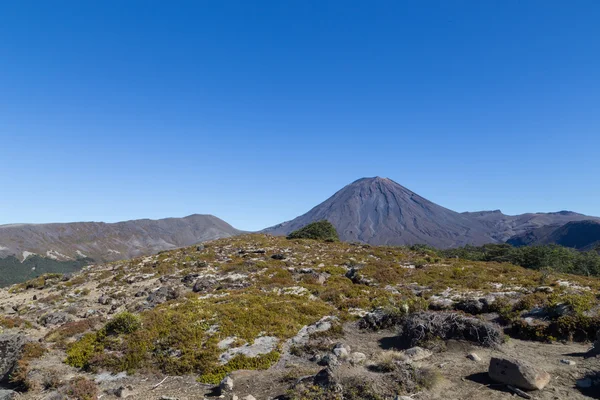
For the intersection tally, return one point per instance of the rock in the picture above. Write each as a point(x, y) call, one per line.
point(322, 278)
point(203, 285)
point(11, 347)
point(261, 345)
point(168, 398)
point(357, 358)
point(124, 392)
point(162, 295)
point(568, 362)
point(226, 385)
point(471, 306)
point(7, 395)
point(544, 289)
point(189, 278)
point(474, 357)
point(325, 378)
point(200, 247)
point(330, 360)
point(341, 351)
point(104, 300)
point(249, 397)
point(403, 398)
point(278, 257)
point(517, 373)
point(417, 354)
point(55, 318)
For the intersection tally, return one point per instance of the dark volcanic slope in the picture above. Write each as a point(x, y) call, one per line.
point(108, 242)
point(380, 211)
point(582, 235)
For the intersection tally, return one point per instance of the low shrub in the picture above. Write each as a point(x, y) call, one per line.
point(427, 326)
point(321, 230)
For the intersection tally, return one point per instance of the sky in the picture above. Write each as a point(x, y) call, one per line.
point(257, 111)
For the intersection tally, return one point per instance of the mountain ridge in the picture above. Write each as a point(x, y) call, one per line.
point(380, 211)
point(104, 241)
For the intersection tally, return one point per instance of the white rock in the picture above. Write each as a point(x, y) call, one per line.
point(568, 362)
point(474, 357)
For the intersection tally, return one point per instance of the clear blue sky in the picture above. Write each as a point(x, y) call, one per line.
point(256, 111)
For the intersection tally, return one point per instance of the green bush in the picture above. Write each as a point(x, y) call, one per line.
point(321, 230)
point(124, 322)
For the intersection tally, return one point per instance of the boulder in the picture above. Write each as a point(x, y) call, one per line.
point(203, 285)
point(7, 395)
point(11, 347)
point(517, 373)
point(226, 385)
point(55, 318)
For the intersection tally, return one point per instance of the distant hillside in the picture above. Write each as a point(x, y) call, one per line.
point(581, 235)
point(27, 250)
point(379, 211)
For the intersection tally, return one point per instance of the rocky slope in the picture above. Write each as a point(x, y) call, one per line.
point(581, 235)
point(296, 319)
point(380, 211)
point(109, 241)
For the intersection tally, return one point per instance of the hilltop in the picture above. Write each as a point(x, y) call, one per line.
point(297, 319)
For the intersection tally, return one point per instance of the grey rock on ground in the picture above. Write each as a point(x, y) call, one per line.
point(517, 373)
point(226, 385)
point(11, 346)
point(7, 394)
point(417, 354)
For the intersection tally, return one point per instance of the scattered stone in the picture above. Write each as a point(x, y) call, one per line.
point(544, 289)
point(278, 257)
point(162, 295)
point(200, 247)
point(417, 354)
point(474, 357)
point(55, 318)
point(568, 362)
point(329, 360)
point(325, 378)
point(11, 347)
point(203, 285)
point(104, 300)
point(226, 385)
point(517, 373)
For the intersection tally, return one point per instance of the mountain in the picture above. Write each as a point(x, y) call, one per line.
point(503, 227)
point(581, 235)
point(380, 211)
point(109, 241)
